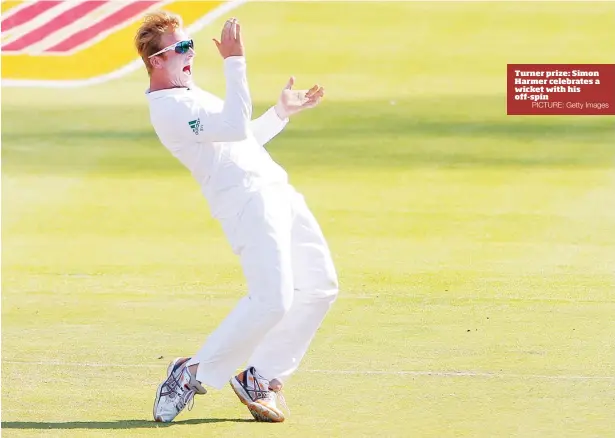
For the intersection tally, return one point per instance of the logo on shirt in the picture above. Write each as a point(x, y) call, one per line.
point(194, 125)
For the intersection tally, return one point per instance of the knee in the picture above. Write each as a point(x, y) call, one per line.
point(333, 287)
point(326, 286)
point(280, 304)
point(270, 289)
point(274, 306)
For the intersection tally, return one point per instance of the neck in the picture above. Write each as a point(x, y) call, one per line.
point(162, 83)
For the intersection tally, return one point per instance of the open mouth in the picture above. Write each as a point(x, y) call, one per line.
point(187, 69)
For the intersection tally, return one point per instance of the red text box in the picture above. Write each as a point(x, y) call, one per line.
point(561, 89)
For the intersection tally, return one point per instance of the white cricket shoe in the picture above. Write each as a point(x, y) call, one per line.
point(257, 394)
point(176, 391)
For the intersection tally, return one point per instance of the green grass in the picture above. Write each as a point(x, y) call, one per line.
point(466, 241)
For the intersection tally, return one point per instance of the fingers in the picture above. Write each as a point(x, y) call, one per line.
point(226, 31)
point(314, 98)
point(234, 29)
point(290, 83)
point(238, 32)
point(312, 102)
point(315, 92)
point(229, 30)
point(320, 93)
point(311, 91)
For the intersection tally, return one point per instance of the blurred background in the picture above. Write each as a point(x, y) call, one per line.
point(475, 250)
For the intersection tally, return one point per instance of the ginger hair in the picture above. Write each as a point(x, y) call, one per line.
point(147, 39)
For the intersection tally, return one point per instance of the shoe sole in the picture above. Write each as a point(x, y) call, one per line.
point(175, 363)
point(265, 414)
point(260, 412)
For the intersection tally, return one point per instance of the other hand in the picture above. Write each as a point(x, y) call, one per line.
point(294, 101)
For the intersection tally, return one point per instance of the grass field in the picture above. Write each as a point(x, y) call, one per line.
point(476, 251)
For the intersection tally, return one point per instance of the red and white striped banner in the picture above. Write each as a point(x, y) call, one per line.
point(69, 42)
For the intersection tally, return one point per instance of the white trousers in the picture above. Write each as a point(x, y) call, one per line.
point(291, 282)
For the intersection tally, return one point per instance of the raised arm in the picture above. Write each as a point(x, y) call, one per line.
point(233, 122)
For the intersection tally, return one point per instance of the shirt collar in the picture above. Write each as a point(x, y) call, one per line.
point(168, 92)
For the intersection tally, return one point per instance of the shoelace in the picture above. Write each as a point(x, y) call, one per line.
point(282, 400)
point(185, 396)
point(189, 398)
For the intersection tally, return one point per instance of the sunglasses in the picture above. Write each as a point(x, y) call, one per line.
point(180, 47)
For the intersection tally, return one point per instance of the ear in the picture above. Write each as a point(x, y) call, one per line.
point(156, 62)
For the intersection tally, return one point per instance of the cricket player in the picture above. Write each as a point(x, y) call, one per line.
point(285, 259)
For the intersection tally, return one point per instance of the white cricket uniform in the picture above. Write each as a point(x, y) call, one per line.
point(286, 261)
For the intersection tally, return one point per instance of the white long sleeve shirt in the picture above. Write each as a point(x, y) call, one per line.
point(217, 140)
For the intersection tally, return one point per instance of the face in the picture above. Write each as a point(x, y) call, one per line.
point(176, 67)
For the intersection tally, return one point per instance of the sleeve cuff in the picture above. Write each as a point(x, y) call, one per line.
point(235, 62)
point(274, 120)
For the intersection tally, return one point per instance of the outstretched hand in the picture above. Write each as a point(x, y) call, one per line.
point(231, 42)
point(294, 101)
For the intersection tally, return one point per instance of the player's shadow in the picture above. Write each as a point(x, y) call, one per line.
point(120, 424)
